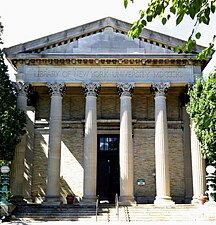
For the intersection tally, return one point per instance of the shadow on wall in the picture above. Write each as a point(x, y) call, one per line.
point(71, 180)
point(65, 190)
point(29, 153)
point(40, 162)
point(72, 160)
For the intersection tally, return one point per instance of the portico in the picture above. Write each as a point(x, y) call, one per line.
point(129, 95)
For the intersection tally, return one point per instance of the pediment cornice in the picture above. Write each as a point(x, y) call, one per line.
point(74, 34)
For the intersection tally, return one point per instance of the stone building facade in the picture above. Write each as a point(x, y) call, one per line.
point(106, 115)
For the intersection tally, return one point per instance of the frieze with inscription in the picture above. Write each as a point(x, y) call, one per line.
point(108, 74)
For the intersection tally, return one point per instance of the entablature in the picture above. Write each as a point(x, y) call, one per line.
point(107, 60)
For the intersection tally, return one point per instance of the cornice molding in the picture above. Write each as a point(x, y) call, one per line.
point(134, 62)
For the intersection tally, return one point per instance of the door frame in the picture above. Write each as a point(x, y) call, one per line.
point(112, 182)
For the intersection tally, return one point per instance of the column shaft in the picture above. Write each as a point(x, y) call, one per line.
point(54, 146)
point(198, 167)
point(18, 162)
point(126, 145)
point(161, 146)
point(187, 156)
point(90, 143)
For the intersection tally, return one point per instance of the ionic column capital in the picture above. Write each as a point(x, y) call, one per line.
point(91, 88)
point(56, 89)
point(125, 89)
point(21, 88)
point(160, 89)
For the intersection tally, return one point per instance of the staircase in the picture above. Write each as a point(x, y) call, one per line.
point(108, 213)
point(54, 213)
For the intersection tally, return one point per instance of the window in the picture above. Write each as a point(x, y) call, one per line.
point(109, 143)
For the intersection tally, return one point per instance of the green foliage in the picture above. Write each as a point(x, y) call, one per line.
point(12, 120)
point(1, 30)
point(199, 11)
point(202, 109)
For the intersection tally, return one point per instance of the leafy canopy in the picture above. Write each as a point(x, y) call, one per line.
point(202, 109)
point(198, 10)
point(12, 120)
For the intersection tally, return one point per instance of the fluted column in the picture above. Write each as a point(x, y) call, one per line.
point(126, 145)
point(161, 146)
point(54, 146)
point(198, 167)
point(18, 162)
point(91, 91)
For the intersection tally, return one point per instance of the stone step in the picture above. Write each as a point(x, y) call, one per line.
point(108, 213)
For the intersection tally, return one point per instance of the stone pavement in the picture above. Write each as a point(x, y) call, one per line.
point(86, 223)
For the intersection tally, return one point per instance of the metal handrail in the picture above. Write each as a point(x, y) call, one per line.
point(117, 205)
point(97, 207)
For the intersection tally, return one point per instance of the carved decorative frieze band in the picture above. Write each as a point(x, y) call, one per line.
point(107, 61)
point(56, 88)
point(159, 89)
point(125, 89)
point(91, 88)
point(21, 88)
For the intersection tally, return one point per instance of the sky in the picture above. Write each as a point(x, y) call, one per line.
point(26, 20)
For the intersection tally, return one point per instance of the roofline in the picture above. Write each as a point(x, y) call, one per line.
point(88, 28)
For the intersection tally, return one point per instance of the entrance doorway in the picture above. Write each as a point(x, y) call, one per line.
point(108, 167)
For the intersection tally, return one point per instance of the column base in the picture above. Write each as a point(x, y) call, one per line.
point(18, 200)
point(126, 200)
point(88, 200)
point(52, 200)
point(195, 201)
point(6, 210)
point(163, 201)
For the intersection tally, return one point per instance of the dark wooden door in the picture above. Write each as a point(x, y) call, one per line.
point(108, 167)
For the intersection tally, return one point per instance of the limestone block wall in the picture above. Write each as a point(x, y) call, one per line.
point(40, 163)
point(73, 107)
point(72, 160)
point(108, 107)
point(29, 153)
point(176, 157)
point(144, 164)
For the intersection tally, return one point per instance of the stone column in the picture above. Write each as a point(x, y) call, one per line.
point(198, 167)
point(126, 144)
point(18, 166)
point(54, 146)
point(161, 146)
point(187, 156)
point(91, 91)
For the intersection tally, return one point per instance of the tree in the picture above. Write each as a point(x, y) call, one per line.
point(199, 11)
point(12, 120)
point(202, 109)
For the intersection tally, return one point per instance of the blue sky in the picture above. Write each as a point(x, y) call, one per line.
point(25, 20)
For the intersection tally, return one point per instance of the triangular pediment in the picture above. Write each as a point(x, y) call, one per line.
point(104, 36)
point(105, 41)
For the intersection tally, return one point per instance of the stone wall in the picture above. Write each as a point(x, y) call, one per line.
point(108, 107)
point(144, 164)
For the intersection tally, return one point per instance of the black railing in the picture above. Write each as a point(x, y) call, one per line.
point(97, 207)
point(117, 206)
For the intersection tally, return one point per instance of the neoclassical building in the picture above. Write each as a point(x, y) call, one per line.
point(105, 116)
